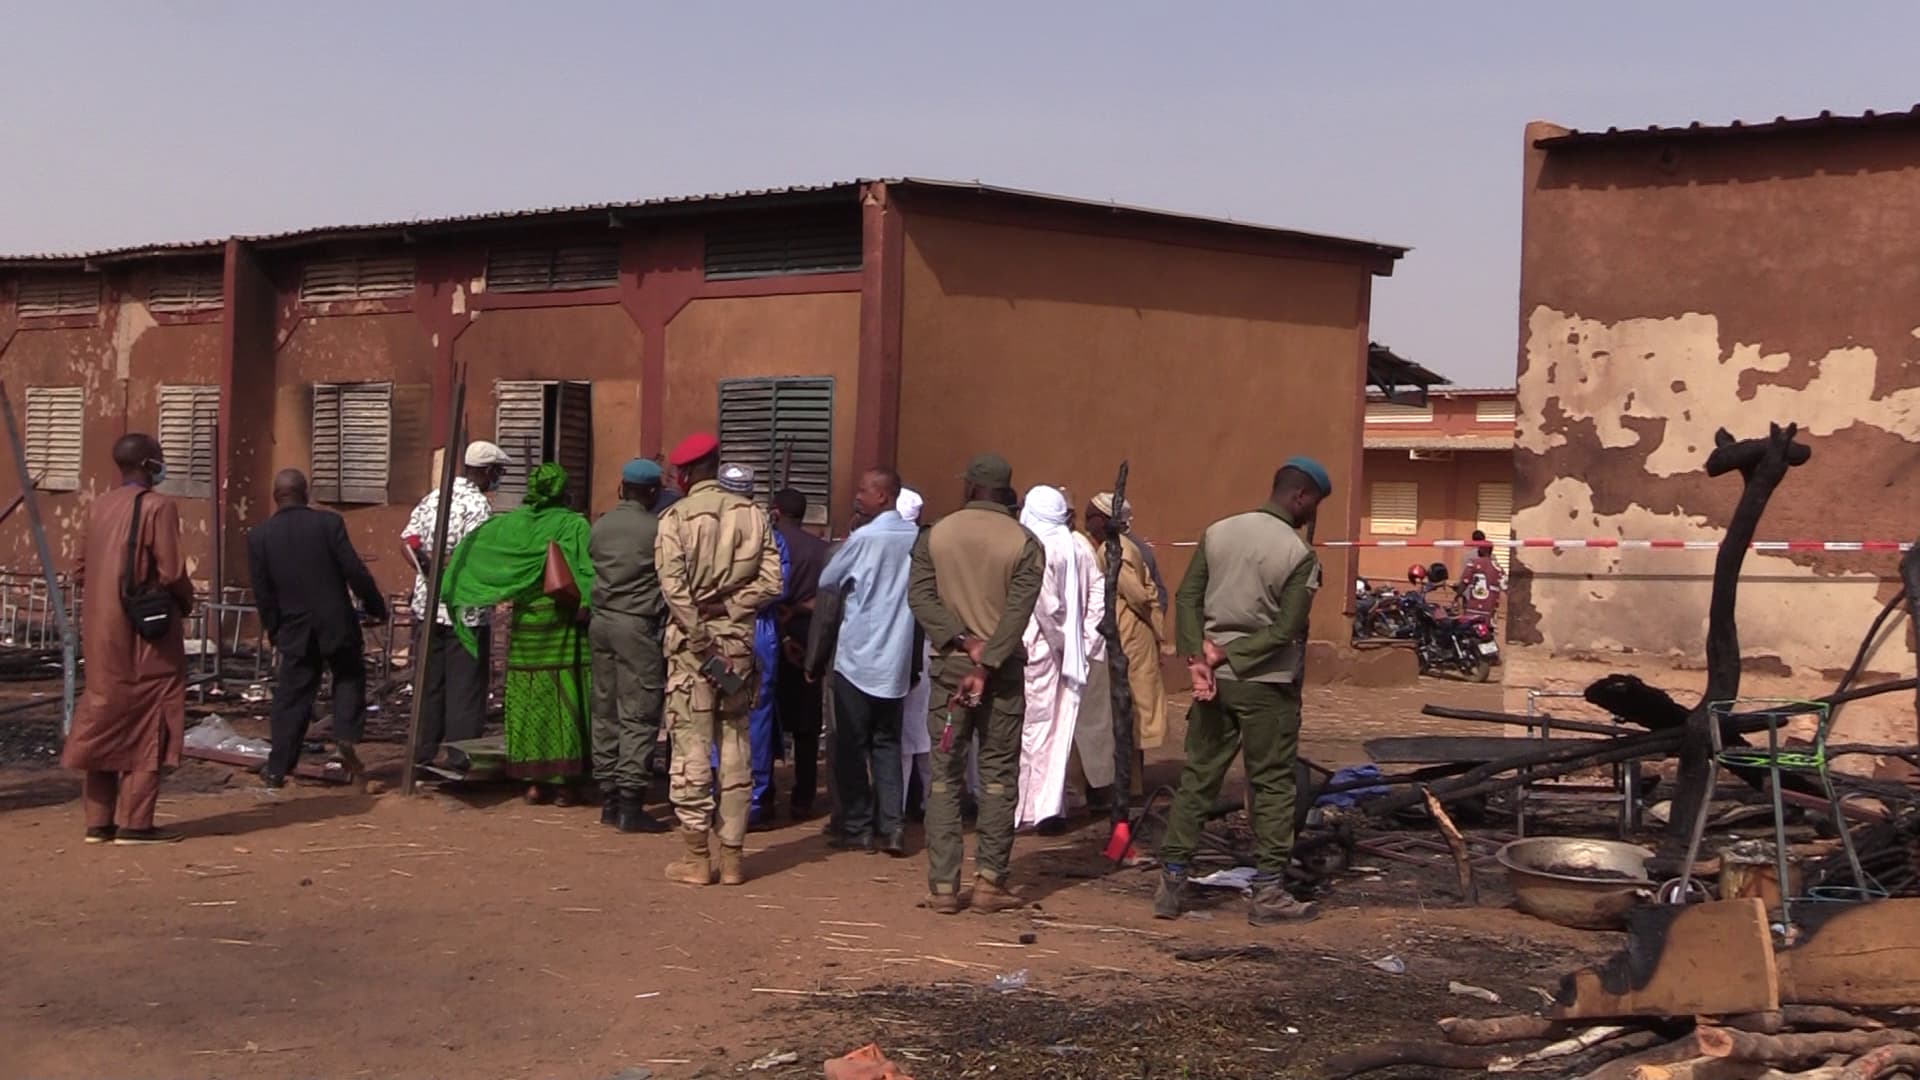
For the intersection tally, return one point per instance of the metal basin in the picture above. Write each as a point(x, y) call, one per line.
point(1577, 882)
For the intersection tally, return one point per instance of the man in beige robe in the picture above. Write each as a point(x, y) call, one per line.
point(128, 726)
point(1138, 601)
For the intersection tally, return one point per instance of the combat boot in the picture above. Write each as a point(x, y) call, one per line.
point(632, 816)
point(991, 899)
point(1170, 899)
point(944, 903)
point(696, 866)
point(733, 870)
point(609, 806)
point(1273, 904)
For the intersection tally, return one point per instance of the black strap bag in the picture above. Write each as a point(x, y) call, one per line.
point(151, 609)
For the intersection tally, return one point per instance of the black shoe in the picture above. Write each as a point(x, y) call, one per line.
point(843, 842)
point(609, 806)
point(801, 809)
point(100, 834)
point(350, 760)
point(632, 816)
point(872, 845)
point(272, 781)
point(147, 836)
point(895, 844)
point(1053, 826)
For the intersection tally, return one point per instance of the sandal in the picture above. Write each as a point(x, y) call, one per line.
point(536, 795)
point(563, 795)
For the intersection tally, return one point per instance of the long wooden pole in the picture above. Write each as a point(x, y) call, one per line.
point(436, 565)
point(68, 649)
point(1122, 689)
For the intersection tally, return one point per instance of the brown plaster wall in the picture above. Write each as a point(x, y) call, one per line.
point(751, 336)
point(121, 362)
point(1068, 352)
point(1672, 288)
point(361, 348)
point(598, 344)
point(1449, 506)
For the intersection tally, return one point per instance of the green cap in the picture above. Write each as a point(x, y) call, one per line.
point(990, 471)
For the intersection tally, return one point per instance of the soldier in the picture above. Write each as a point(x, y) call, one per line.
point(629, 669)
point(974, 581)
point(718, 567)
point(1242, 625)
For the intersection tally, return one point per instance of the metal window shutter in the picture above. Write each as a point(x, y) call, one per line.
point(184, 293)
point(189, 417)
point(1393, 508)
point(1387, 412)
point(352, 441)
point(357, 277)
point(519, 428)
point(323, 467)
point(56, 418)
point(1493, 515)
point(553, 269)
point(1493, 412)
point(783, 429)
point(50, 296)
point(821, 245)
point(573, 441)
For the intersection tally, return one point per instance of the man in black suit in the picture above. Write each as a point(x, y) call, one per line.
point(303, 565)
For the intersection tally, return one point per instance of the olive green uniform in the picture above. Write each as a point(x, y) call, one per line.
point(715, 548)
point(976, 574)
point(1249, 590)
point(629, 666)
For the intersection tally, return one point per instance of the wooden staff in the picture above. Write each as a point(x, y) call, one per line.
point(1121, 840)
point(436, 565)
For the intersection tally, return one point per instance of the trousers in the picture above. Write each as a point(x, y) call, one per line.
point(706, 727)
point(1260, 721)
point(799, 706)
point(629, 693)
point(997, 721)
point(125, 799)
point(866, 760)
point(453, 704)
point(293, 702)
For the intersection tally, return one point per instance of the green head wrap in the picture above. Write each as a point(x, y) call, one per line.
point(546, 486)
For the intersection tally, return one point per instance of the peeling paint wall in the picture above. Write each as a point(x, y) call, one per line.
point(1671, 289)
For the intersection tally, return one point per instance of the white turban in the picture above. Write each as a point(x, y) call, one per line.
point(908, 504)
point(1045, 513)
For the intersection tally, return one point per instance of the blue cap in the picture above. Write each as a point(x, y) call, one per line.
point(1315, 472)
point(641, 471)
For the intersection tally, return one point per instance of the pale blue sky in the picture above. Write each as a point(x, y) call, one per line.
point(130, 122)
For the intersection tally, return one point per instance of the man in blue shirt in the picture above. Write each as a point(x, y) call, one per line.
point(872, 667)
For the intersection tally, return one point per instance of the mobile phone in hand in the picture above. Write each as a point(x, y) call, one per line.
point(716, 672)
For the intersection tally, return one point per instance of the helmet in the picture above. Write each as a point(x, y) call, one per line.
point(1416, 573)
point(1437, 573)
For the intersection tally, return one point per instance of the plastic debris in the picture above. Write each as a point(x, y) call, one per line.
point(1472, 991)
point(1240, 879)
point(775, 1060)
point(1010, 981)
point(214, 733)
point(1391, 964)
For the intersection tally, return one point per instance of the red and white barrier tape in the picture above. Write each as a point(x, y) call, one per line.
point(1614, 543)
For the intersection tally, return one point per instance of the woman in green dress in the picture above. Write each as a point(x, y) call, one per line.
point(505, 561)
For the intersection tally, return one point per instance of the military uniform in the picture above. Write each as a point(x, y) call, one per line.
point(718, 567)
point(629, 666)
point(1248, 590)
point(975, 575)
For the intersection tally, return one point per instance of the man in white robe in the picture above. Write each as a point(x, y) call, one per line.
point(1061, 642)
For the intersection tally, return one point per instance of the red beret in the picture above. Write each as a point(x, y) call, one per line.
point(693, 448)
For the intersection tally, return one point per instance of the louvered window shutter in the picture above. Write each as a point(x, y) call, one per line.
point(357, 277)
point(1493, 412)
point(189, 417)
point(553, 269)
point(1394, 508)
point(54, 295)
point(783, 429)
point(814, 245)
point(1387, 412)
point(1493, 515)
point(186, 292)
point(573, 440)
point(56, 418)
point(352, 442)
point(519, 428)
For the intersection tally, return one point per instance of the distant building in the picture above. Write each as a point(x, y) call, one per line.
point(1676, 281)
point(1436, 471)
point(821, 330)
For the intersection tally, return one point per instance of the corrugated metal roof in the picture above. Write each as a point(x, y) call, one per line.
point(676, 204)
point(1456, 392)
point(1438, 442)
point(1614, 136)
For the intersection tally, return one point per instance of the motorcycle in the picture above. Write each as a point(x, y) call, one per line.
point(1379, 613)
point(1459, 643)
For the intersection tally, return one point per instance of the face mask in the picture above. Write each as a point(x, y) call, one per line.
point(157, 470)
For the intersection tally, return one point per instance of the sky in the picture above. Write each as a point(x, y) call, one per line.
point(124, 123)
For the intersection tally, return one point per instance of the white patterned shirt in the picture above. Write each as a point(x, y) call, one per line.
point(470, 509)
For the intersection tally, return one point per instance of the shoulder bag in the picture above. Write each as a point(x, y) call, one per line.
point(151, 609)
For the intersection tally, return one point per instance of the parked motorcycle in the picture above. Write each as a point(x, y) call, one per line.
point(1382, 613)
point(1461, 643)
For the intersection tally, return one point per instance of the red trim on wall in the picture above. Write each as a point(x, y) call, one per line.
point(438, 279)
point(876, 430)
point(505, 301)
point(62, 322)
point(785, 285)
point(191, 318)
point(659, 273)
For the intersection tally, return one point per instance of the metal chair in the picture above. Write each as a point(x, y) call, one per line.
point(1623, 789)
point(1777, 760)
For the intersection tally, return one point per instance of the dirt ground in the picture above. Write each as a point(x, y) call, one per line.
point(317, 933)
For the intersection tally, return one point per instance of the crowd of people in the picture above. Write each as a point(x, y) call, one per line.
point(955, 669)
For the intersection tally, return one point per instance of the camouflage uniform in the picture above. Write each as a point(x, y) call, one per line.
point(718, 567)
